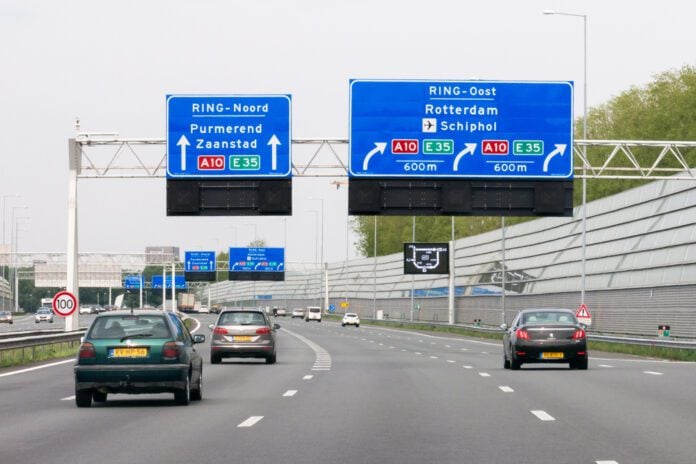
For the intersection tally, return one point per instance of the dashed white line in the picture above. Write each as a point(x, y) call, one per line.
point(250, 422)
point(484, 352)
point(652, 373)
point(484, 374)
point(543, 415)
point(607, 462)
point(404, 350)
point(290, 393)
point(417, 353)
point(467, 367)
point(505, 389)
point(451, 361)
point(307, 377)
point(464, 349)
point(447, 346)
point(433, 357)
point(68, 398)
point(605, 365)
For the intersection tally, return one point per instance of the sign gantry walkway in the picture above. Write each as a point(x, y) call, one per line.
point(102, 155)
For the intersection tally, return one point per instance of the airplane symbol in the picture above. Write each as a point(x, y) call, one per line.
point(429, 125)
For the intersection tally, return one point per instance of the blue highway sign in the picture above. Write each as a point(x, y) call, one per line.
point(461, 129)
point(130, 282)
point(179, 281)
point(223, 136)
point(257, 259)
point(199, 261)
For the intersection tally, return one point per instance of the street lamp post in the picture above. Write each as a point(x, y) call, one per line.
point(16, 249)
point(321, 267)
point(584, 148)
point(4, 201)
point(13, 226)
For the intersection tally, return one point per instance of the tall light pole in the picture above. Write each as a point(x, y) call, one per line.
point(316, 263)
point(12, 250)
point(16, 249)
point(584, 148)
point(321, 267)
point(4, 201)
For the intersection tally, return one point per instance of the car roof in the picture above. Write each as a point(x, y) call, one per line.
point(246, 310)
point(548, 310)
point(136, 312)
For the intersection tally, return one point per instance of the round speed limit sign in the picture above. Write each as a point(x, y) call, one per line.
point(64, 303)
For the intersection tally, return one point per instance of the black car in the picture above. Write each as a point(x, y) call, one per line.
point(544, 336)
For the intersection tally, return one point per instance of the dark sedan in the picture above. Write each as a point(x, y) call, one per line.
point(148, 351)
point(544, 336)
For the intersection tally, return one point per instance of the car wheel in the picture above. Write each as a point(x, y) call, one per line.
point(197, 393)
point(271, 359)
point(183, 396)
point(357, 325)
point(36, 322)
point(506, 362)
point(581, 364)
point(99, 397)
point(83, 398)
point(215, 359)
point(343, 325)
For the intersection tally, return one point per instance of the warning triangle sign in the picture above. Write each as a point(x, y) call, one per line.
point(583, 312)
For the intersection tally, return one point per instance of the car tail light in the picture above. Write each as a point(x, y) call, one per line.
point(220, 331)
point(263, 331)
point(170, 351)
point(579, 334)
point(522, 334)
point(87, 351)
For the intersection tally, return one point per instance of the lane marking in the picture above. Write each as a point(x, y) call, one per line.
point(451, 361)
point(404, 350)
point(68, 398)
point(433, 357)
point(322, 358)
point(484, 352)
point(484, 374)
point(417, 353)
point(605, 365)
point(381, 344)
point(505, 389)
point(433, 343)
point(290, 393)
point(250, 422)
point(467, 367)
point(543, 415)
point(607, 462)
point(307, 377)
point(447, 346)
point(465, 349)
point(43, 366)
point(652, 373)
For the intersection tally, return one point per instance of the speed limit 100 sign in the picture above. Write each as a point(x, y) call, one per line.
point(64, 303)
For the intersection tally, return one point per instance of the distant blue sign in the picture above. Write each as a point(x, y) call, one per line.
point(199, 261)
point(257, 259)
point(223, 136)
point(179, 282)
point(461, 129)
point(264, 297)
point(130, 282)
point(332, 307)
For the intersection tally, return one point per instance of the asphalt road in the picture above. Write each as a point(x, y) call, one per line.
point(28, 322)
point(366, 395)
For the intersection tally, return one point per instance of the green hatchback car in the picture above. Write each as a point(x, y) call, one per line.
point(144, 351)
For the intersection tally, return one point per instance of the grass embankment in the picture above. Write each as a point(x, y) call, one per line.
point(673, 354)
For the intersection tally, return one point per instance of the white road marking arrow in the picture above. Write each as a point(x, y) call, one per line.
point(560, 150)
point(469, 149)
point(274, 142)
point(379, 148)
point(183, 143)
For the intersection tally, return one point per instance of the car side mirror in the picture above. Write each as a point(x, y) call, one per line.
point(276, 326)
point(199, 339)
point(211, 326)
point(504, 326)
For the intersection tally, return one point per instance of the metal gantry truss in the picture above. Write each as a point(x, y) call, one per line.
point(109, 156)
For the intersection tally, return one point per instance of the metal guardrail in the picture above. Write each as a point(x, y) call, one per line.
point(30, 341)
point(618, 339)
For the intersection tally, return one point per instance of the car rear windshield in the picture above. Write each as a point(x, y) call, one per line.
point(351, 315)
point(242, 318)
point(314, 310)
point(129, 326)
point(549, 317)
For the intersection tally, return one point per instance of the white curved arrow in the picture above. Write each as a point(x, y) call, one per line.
point(379, 148)
point(560, 149)
point(183, 143)
point(469, 149)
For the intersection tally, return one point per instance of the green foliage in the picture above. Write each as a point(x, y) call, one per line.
point(664, 109)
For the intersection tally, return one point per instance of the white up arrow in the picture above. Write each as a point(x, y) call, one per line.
point(183, 143)
point(274, 142)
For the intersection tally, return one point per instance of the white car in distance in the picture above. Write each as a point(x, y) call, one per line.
point(350, 319)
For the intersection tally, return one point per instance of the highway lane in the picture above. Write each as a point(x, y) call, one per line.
point(374, 395)
point(27, 322)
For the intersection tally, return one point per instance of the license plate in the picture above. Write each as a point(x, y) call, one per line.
point(242, 338)
point(128, 353)
point(551, 355)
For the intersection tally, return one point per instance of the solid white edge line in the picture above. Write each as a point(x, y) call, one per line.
point(250, 422)
point(68, 398)
point(653, 373)
point(35, 368)
point(543, 415)
point(506, 389)
point(607, 462)
point(290, 393)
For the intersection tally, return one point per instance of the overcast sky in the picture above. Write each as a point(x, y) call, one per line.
point(112, 63)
